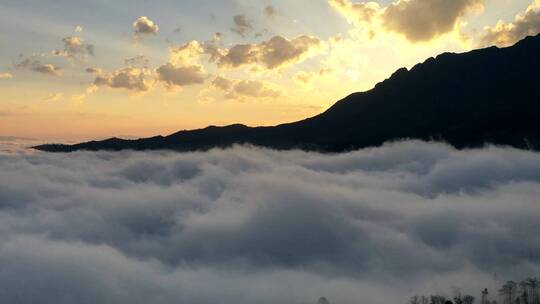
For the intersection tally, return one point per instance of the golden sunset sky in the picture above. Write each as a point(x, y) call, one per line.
point(95, 69)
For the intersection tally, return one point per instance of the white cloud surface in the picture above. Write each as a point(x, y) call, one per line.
point(249, 225)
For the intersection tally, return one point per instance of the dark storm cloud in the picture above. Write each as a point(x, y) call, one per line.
point(248, 225)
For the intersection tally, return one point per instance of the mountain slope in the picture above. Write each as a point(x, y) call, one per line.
point(484, 96)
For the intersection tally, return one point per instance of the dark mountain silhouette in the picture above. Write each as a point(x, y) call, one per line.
point(484, 96)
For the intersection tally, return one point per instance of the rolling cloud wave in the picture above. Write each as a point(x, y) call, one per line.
point(250, 225)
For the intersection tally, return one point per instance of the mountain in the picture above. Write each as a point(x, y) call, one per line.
point(490, 95)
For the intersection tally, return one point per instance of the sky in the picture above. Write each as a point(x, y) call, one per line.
point(94, 69)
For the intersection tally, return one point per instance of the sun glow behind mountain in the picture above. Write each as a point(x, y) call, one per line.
point(130, 68)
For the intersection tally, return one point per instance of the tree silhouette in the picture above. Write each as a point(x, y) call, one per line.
point(323, 300)
point(533, 287)
point(484, 296)
point(508, 291)
point(437, 299)
point(468, 299)
point(524, 292)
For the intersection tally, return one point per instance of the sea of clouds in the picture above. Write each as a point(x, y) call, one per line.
point(249, 225)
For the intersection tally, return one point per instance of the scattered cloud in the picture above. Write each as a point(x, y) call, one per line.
point(79, 28)
point(181, 75)
point(44, 68)
point(87, 92)
point(270, 11)
point(416, 20)
point(423, 20)
point(506, 34)
point(94, 70)
point(275, 53)
point(359, 13)
point(138, 61)
point(129, 78)
point(187, 53)
point(262, 226)
point(241, 89)
point(242, 25)
point(306, 77)
point(143, 26)
point(183, 68)
point(74, 47)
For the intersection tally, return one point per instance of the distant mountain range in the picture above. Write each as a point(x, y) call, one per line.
point(484, 96)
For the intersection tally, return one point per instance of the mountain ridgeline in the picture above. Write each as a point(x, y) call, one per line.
point(486, 96)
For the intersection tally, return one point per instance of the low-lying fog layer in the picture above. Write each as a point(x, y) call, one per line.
point(249, 225)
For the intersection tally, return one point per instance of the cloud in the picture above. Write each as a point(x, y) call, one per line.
point(36, 66)
point(423, 20)
point(137, 61)
point(416, 20)
point(94, 70)
point(249, 225)
point(6, 75)
point(49, 69)
point(242, 25)
point(75, 47)
point(182, 75)
point(187, 53)
point(183, 68)
point(307, 77)
point(359, 13)
point(277, 52)
point(79, 28)
point(144, 26)
point(239, 89)
point(506, 34)
point(129, 78)
point(270, 11)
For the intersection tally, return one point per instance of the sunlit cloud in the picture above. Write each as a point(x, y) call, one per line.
point(74, 47)
point(275, 53)
point(143, 26)
point(506, 34)
point(181, 75)
point(129, 78)
point(416, 20)
point(241, 89)
point(43, 68)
